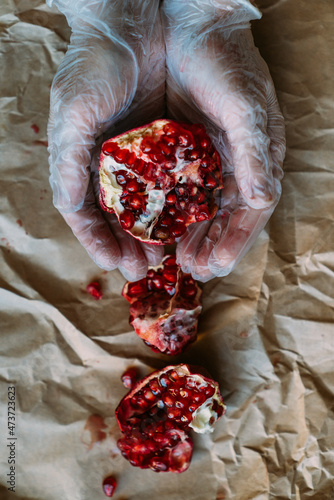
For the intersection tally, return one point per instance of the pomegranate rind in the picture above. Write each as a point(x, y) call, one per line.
point(167, 324)
point(158, 177)
point(139, 419)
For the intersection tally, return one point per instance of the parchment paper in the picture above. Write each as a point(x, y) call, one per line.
point(267, 331)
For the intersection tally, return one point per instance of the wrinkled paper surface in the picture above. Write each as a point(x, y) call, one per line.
point(267, 330)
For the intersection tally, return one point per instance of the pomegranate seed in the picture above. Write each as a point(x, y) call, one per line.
point(164, 148)
point(170, 163)
point(184, 393)
point(169, 140)
point(151, 274)
point(205, 142)
point(157, 465)
point(193, 154)
point(183, 204)
point(121, 155)
point(155, 387)
point(131, 159)
point(169, 261)
point(170, 276)
point(172, 210)
point(209, 391)
point(168, 400)
point(148, 395)
point(136, 202)
point(147, 145)
point(179, 404)
point(129, 378)
point(109, 147)
point(94, 289)
point(158, 283)
point(180, 218)
point(210, 182)
point(198, 399)
point(173, 413)
point(169, 289)
point(133, 186)
point(170, 129)
point(171, 198)
point(185, 419)
point(201, 197)
point(137, 288)
point(189, 291)
point(127, 219)
point(161, 233)
point(121, 177)
point(150, 172)
point(205, 162)
point(138, 166)
point(165, 381)
point(109, 486)
point(166, 221)
point(156, 157)
point(203, 213)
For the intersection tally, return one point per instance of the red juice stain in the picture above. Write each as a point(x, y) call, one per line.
point(19, 222)
point(109, 486)
point(95, 425)
point(94, 289)
point(41, 143)
point(35, 128)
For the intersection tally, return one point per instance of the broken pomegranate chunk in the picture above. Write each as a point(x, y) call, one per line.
point(165, 307)
point(158, 413)
point(159, 178)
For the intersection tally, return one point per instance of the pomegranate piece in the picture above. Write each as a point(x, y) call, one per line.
point(109, 486)
point(159, 178)
point(156, 417)
point(129, 377)
point(165, 307)
point(94, 289)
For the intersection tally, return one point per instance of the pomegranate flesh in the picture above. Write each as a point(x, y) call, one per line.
point(159, 178)
point(165, 307)
point(156, 417)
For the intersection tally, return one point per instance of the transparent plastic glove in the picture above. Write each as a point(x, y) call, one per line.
point(111, 78)
point(216, 76)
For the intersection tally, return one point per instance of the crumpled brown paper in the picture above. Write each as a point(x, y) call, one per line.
point(267, 330)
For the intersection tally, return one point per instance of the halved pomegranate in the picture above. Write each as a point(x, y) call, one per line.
point(159, 178)
point(165, 307)
point(158, 413)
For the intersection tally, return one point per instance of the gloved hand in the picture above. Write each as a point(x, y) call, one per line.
point(113, 71)
point(216, 76)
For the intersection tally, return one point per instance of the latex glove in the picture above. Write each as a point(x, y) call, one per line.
point(113, 71)
point(216, 76)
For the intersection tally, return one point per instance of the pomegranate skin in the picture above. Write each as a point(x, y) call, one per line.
point(159, 178)
point(165, 307)
point(156, 417)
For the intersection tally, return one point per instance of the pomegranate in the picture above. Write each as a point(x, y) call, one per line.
point(94, 289)
point(156, 417)
point(165, 307)
point(129, 377)
point(159, 178)
point(109, 486)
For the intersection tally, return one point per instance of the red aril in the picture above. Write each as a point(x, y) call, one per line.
point(109, 486)
point(156, 417)
point(146, 172)
point(129, 377)
point(165, 307)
